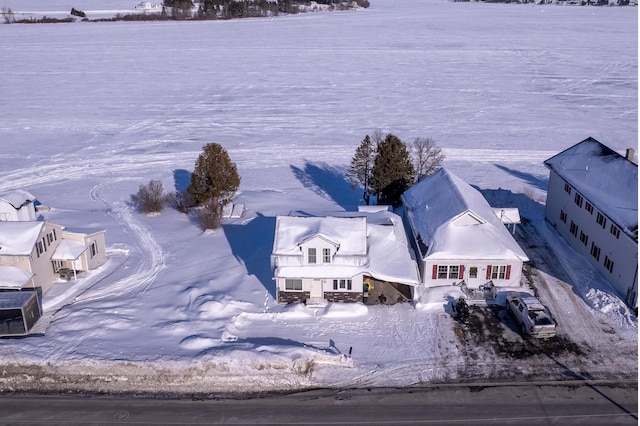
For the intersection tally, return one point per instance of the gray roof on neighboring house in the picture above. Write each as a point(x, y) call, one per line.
point(603, 177)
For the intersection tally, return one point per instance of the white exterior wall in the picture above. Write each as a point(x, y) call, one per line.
point(87, 260)
point(327, 284)
point(41, 266)
point(623, 251)
point(512, 267)
point(9, 213)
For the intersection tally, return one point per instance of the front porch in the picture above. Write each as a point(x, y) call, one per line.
point(385, 292)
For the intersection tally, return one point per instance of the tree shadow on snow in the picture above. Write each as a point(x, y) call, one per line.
point(528, 178)
point(328, 182)
point(251, 243)
point(181, 179)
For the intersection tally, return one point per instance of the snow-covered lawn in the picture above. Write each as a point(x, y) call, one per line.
point(92, 110)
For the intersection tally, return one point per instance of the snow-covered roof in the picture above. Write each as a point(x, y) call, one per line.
point(12, 278)
point(389, 256)
point(18, 198)
point(18, 238)
point(507, 215)
point(348, 233)
point(603, 177)
point(452, 220)
point(68, 250)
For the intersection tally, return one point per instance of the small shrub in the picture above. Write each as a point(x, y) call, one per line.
point(183, 201)
point(209, 214)
point(150, 197)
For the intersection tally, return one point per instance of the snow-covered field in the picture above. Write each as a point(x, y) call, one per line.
point(89, 111)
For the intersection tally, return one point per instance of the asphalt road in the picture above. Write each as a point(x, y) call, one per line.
point(580, 403)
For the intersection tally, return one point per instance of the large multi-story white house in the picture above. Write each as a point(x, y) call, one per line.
point(592, 201)
point(343, 257)
point(459, 236)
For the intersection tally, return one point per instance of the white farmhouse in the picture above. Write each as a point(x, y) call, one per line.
point(459, 236)
point(343, 257)
point(17, 205)
point(46, 250)
point(592, 201)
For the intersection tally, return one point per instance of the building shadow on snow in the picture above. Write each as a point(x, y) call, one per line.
point(278, 341)
point(529, 179)
point(251, 243)
point(328, 182)
point(542, 244)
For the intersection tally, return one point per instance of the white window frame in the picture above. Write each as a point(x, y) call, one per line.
point(293, 284)
point(454, 272)
point(498, 272)
point(51, 236)
point(40, 247)
point(326, 255)
point(443, 272)
point(312, 257)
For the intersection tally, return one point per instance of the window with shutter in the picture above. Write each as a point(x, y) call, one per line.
point(489, 268)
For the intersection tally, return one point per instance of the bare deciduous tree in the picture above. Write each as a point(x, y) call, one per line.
point(427, 157)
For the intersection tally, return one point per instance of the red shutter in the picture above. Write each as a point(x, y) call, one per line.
point(489, 272)
point(461, 272)
point(434, 273)
point(508, 275)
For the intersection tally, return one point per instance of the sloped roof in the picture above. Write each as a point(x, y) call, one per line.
point(13, 278)
point(68, 250)
point(389, 256)
point(454, 221)
point(348, 233)
point(19, 238)
point(604, 178)
point(18, 198)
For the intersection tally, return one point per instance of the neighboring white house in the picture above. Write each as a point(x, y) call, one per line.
point(45, 250)
point(342, 257)
point(592, 201)
point(17, 206)
point(459, 236)
point(29, 246)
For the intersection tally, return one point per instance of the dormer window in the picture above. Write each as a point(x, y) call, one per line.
point(311, 255)
point(326, 255)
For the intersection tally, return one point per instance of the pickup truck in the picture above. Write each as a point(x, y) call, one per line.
point(533, 318)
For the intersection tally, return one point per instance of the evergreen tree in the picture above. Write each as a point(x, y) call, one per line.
point(215, 176)
point(359, 173)
point(392, 172)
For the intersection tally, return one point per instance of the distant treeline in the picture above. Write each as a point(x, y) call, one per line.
point(205, 10)
point(560, 2)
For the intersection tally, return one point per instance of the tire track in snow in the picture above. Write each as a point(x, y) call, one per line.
point(151, 254)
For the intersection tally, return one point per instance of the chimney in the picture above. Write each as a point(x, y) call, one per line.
point(631, 155)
